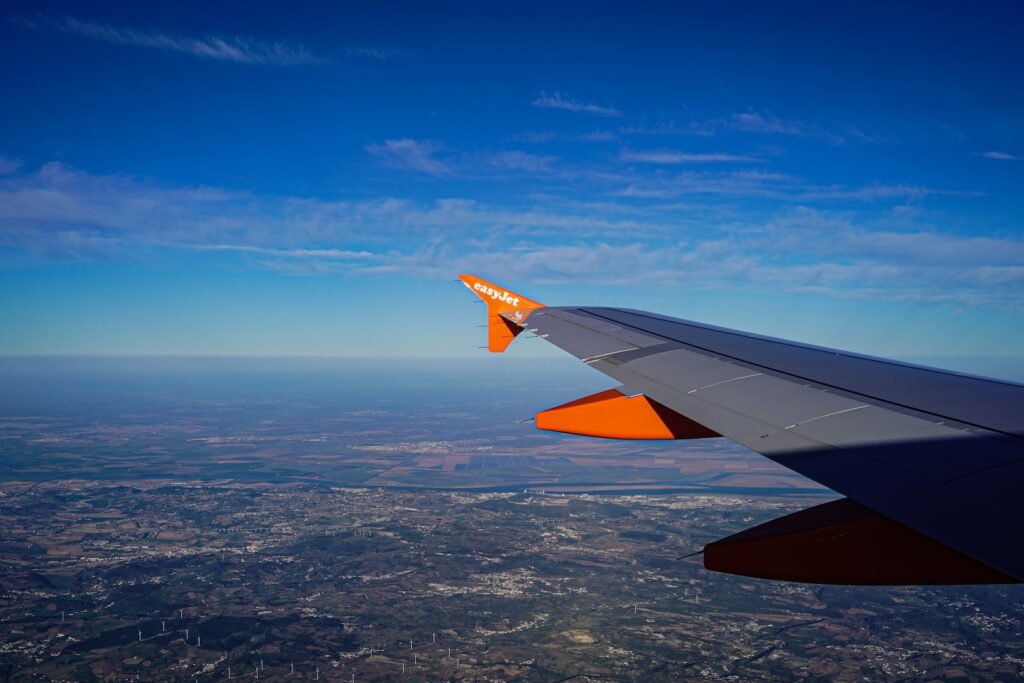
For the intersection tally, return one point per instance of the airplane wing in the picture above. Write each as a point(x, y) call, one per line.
point(930, 461)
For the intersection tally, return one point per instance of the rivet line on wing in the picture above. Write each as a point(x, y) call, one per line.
point(724, 381)
point(599, 356)
point(822, 417)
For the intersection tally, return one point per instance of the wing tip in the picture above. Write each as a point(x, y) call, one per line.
point(506, 310)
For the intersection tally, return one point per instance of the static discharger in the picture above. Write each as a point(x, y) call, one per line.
point(611, 414)
point(506, 311)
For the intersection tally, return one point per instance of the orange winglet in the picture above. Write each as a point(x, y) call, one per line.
point(501, 329)
point(613, 415)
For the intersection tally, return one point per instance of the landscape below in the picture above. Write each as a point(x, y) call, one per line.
point(170, 519)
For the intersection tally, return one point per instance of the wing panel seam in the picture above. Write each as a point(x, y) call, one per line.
point(725, 381)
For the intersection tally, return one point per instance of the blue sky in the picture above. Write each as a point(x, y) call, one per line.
point(231, 179)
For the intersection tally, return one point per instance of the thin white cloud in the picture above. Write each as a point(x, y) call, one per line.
point(299, 253)
point(557, 100)
point(514, 160)
point(57, 208)
point(878, 192)
point(535, 136)
point(596, 136)
point(60, 213)
point(829, 235)
point(753, 122)
point(703, 129)
point(772, 185)
point(736, 183)
point(236, 49)
point(757, 123)
point(415, 155)
point(997, 155)
point(548, 136)
point(9, 166)
point(379, 54)
point(673, 157)
point(427, 157)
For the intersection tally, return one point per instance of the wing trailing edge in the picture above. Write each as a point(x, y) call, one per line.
point(841, 542)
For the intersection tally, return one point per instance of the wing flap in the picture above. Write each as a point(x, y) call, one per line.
point(966, 521)
point(841, 542)
point(1000, 484)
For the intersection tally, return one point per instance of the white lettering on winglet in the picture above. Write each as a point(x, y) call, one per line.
point(496, 295)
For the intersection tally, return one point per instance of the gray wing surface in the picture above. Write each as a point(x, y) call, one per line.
point(940, 452)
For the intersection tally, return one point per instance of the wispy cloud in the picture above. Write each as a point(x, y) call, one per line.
point(735, 183)
point(596, 136)
point(515, 160)
point(380, 54)
point(536, 136)
point(342, 254)
point(704, 129)
point(429, 158)
point(415, 155)
point(56, 213)
point(557, 100)
point(877, 192)
point(548, 136)
point(57, 209)
point(781, 187)
point(997, 155)
point(237, 49)
point(753, 122)
point(672, 157)
point(9, 165)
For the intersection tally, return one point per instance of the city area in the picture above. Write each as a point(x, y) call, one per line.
point(159, 532)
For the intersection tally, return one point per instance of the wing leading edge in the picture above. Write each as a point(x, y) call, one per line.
point(930, 461)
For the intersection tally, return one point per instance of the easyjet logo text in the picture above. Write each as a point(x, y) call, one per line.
point(496, 295)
